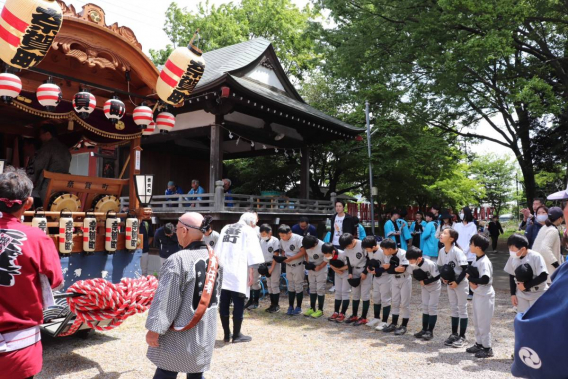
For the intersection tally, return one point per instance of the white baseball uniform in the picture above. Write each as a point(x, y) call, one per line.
point(527, 298)
point(382, 291)
point(317, 279)
point(430, 292)
point(401, 286)
point(268, 249)
point(457, 296)
point(357, 257)
point(342, 286)
point(211, 239)
point(483, 302)
point(295, 270)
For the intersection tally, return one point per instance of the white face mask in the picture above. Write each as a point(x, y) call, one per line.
point(327, 259)
point(513, 254)
point(462, 216)
point(413, 265)
point(265, 238)
point(541, 218)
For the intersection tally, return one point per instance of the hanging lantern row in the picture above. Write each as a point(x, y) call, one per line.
point(49, 95)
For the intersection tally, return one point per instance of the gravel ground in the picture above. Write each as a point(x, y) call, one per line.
point(285, 347)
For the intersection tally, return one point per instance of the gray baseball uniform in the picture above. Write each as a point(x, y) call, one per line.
point(483, 302)
point(382, 291)
point(342, 286)
point(268, 249)
point(317, 279)
point(295, 272)
point(430, 292)
point(527, 298)
point(358, 260)
point(211, 239)
point(401, 286)
point(457, 296)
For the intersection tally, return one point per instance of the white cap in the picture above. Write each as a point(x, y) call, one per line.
point(559, 195)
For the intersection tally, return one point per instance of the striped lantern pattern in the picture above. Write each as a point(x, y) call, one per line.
point(143, 116)
point(27, 30)
point(84, 104)
point(10, 86)
point(181, 73)
point(49, 95)
point(114, 110)
point(166, 122)
point(149, 129)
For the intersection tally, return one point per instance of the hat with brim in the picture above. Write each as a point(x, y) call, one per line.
point(524, 273)
point(447, 273)
point(555, 213)
point(280, 258)
point(473, 272)
point(263, 270)
point(337, 263)
point(310, 266)
point(354, 282)
point(561, 195)
point(419, 274)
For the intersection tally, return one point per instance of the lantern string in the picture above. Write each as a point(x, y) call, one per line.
point(252, 143)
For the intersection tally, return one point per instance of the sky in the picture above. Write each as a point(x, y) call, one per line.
point(146, 18)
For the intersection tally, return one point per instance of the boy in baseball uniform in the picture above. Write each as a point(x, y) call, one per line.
point(357, 266)
point(397, 267)
point(338, 264)
point(480, 276)
point(270, 246)
point(291, 246)
point(525, 292)
point(210, 237)
point(454, 261)
point(381, 282)
point(317, 274)
point(426, 272)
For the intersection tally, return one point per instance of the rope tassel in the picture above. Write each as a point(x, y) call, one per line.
point(103, 300)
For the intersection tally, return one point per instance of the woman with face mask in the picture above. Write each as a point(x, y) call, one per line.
point(547, 242)
point(534, 228)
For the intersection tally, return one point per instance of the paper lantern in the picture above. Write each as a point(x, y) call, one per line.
point(150, 129)
point(166, 122)
point(27, 30)
point(89, 232)
point(114, 109)
point(132, 226)
point(111, 232)
point(49, 95)
point(84, 104)
point(181, 73)
point(40, 221)
point(143, 116)
point(10, 86)
point(66, 228)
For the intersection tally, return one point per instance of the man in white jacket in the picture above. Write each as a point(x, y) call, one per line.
point(238, 249)
point(547, 242)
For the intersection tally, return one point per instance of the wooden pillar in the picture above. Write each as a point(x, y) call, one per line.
point(305, 173)
point(216, 153)
point(134, 169)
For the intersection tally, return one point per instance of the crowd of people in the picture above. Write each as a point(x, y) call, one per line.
point(203, 270)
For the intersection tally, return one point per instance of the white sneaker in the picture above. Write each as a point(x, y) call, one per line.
point(381, 326)
point(373, 322)
point(332, 289)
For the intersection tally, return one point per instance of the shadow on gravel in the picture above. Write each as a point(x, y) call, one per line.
point(80, 363)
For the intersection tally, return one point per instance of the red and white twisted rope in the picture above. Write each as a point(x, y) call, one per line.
point(103, 300)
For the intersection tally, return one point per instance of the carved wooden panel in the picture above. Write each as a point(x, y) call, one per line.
point(92, 56)
point(95, 14)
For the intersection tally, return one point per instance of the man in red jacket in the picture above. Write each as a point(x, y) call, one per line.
point(27, 258)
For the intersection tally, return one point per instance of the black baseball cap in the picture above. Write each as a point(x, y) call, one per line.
point(554, 213)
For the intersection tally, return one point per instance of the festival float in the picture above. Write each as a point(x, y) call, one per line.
point(94, 82)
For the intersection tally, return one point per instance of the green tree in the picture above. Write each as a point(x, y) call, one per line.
point(452, 64)
point(290, 29)
point(496, 175)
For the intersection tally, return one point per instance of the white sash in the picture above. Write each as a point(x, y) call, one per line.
point(19, 339)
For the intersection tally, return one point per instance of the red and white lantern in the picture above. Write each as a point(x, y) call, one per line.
point(27, 30)
point(10, 86)
point(143, 116)
point(49, 95)
point(114, 109)
point(89, 233)
point(84, 104)
point(150, 129)
point(181, 73)
point(132, 226)
point(166, 122)
point(111, 232)
point(66, 228)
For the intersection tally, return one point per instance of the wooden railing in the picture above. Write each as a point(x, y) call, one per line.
point(221, 202)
